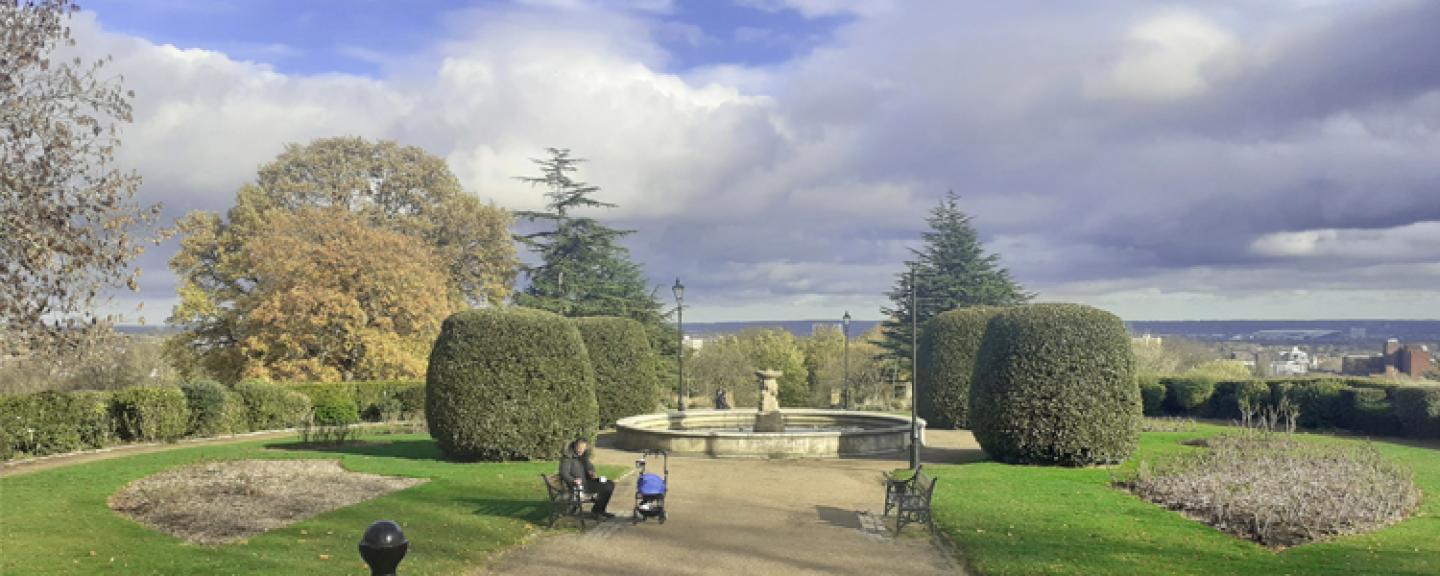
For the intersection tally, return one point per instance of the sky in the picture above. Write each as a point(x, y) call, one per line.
point(1224, 159)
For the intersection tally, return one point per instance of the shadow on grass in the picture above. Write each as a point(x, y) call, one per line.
point(533, 511)
point(406, 449)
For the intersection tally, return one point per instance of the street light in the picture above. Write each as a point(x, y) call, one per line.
point(845, 322)
point(679, 291)
point(914, 375)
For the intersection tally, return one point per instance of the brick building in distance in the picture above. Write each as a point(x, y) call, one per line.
point(1412, 360)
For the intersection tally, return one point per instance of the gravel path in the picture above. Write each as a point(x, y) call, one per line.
point(740, 516)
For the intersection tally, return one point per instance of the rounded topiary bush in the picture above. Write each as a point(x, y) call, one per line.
point(946, 353)
point(508, 384)
point(1055, 384)
point(619, 351)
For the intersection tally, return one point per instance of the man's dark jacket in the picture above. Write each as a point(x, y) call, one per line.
point(574, 466)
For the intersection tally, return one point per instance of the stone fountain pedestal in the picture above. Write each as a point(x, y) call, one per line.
point(769, 418)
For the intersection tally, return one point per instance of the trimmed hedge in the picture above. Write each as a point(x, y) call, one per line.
point(214, 409)
point(271, 406)
point(1055, 384)
point(1418, 411)
point(1369, 406)
point(55, 422)
point(509, 384)
point(1152, 395)
point(333, 404)
point(375, 400)
point(619, 352)
point(148, 414)
point(1225, 402)
point(946, 356)
point(1188, 393)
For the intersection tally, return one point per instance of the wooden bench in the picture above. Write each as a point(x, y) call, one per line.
point(566, 501)
point(913, 505)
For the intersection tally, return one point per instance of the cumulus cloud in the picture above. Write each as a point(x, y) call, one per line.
point(1223, 159)
point(1418, 242)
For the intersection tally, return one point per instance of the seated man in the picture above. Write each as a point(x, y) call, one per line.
point(576, 470)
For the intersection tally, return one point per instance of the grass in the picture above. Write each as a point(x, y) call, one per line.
point(56, 521)
point(1040, 520)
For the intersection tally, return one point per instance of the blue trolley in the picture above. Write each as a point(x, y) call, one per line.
point(650, 489)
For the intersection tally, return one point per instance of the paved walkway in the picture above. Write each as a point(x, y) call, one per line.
point(742, 516)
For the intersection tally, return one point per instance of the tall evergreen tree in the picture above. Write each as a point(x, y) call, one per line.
point(952, 270)
point(583, 270)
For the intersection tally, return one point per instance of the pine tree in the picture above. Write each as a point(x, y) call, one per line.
point(952, 270)
point(583, 271)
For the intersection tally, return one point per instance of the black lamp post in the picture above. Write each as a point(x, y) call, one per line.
point(679, 291)
point(383, 547)
point(914, 375)
point(845, 322)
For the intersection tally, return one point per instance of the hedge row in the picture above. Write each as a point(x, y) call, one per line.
point(58, 422)
point(372, 400)
point(1357, 404)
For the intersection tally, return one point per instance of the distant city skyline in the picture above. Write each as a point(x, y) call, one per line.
point(1177, 160)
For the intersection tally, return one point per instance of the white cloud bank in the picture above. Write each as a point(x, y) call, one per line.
point(1158, 163)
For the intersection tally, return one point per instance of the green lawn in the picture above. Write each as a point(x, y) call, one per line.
point(56, 521)
point(1037, 520)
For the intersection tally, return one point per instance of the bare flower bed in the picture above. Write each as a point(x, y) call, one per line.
point(1271, 488)
point(220, 502)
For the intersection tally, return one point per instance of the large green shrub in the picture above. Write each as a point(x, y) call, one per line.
point(1188, 394)
point(1152, 394)
point(210, 405)
point(270, 406)
point(1418, 409)
point(946, 355)
point(1055, 384)
point(619, 351)
point(148, 414)
point(333, 404)
point(509, 384)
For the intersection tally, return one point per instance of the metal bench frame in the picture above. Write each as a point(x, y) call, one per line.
point(565, 501)
point(913, 505)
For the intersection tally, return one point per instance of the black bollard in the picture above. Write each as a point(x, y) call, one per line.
point(383, 547)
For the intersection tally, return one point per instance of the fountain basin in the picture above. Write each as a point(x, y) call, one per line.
point(808, 433)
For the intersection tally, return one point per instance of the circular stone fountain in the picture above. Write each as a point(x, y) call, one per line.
point(769, 431)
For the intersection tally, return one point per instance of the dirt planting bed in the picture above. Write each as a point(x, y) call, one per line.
point(1281, 492)
point(221, 502)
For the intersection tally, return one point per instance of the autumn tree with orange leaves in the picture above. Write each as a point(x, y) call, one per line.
point(267, 291)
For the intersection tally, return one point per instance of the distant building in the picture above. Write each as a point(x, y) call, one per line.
point(693, 343)
point(1295, 362)
point(1147, 340)
point(1412, 360)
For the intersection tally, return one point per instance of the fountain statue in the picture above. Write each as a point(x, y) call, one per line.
point(768, 418)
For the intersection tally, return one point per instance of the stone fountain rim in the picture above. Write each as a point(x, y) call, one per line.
point(632, 423)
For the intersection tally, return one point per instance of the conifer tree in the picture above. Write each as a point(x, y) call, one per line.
point(952, 270)
point(583, 270)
